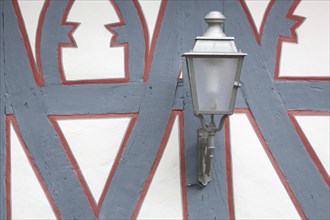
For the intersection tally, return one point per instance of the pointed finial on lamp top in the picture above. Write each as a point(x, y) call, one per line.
point(214, 19)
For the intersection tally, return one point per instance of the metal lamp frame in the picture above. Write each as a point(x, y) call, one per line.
point(206, 147)
point(189, 60)
point(213, 44)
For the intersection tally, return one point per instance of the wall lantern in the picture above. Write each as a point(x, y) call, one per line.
point(214, 67)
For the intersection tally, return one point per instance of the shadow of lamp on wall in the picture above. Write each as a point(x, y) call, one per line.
point(214, 67)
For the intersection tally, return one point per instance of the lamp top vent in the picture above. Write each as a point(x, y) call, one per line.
point(214, 19)
point(214, 41)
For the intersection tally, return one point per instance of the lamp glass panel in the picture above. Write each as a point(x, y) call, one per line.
point(214, 77)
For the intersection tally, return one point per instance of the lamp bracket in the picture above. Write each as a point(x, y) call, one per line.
point(204, 158)
point(211, 127)
point(206, 147)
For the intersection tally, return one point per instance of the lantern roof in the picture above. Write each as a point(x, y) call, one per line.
point(214, 41)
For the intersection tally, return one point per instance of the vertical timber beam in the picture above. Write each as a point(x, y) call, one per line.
point(2, 120)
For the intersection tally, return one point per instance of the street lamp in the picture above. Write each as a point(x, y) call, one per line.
point(214, 66)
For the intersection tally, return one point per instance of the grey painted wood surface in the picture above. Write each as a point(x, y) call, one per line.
point(268, 100)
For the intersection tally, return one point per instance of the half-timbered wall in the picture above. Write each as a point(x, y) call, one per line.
point(97, 120)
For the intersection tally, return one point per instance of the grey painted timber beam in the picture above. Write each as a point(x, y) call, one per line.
point(39, 135)
point(305, 95)
point(53, 33)
point(93, 99)
point(271, 115)
point(2, 119)
point(132, 33)
point(156, 107)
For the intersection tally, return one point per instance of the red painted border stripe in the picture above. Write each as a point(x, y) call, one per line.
point(74, 163)
point(73, 44)
point(305, 141)
point(96, 206)
point(273, 162)
point(154, 166)
point(11, 118)
point(115, 36)
point(157, 161)
point(117, 160)
point(39, 35)
point(145, 34)
point(154, 39)
point(183, 166)
point(293, 39)
point(257, 34)
point(229, 169)
point(35, 65)
point(8, 168)
point(148, 56)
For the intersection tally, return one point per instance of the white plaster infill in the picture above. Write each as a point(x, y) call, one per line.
point(257, 10)
point(164, 196)
point(94, 143)
point(258, 190)
point(94, 58)
point(150, 11)
point(317, 130)
point(309, 57)
point(28, 198)
point(31, 11)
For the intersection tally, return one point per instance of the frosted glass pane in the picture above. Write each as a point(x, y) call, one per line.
point(214, 82)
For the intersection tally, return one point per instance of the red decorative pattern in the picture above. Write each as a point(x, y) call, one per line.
point(257, 34)
point(10, 119)
point(35, 65)
point(306, 143)
point(73, 44)
point(183, 166)
point(96, 206)
point(231, 205)
point(293, 39)
point(271, 158)
point(157, 161)
point(149, 52)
